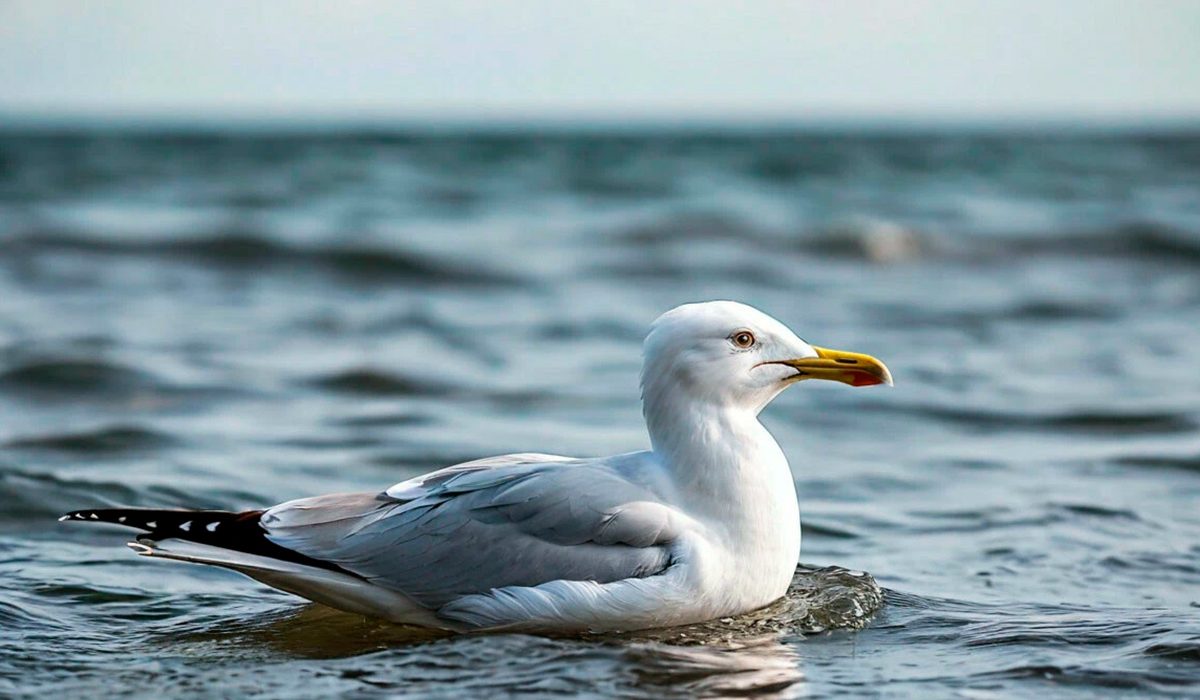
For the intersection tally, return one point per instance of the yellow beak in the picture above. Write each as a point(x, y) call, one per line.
point(853, 368)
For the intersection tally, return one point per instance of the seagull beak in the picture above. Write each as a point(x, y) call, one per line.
point(853, 368)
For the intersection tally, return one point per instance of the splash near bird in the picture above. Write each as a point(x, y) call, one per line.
point(703, 525)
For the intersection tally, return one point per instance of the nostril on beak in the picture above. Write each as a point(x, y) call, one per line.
point(846, 361)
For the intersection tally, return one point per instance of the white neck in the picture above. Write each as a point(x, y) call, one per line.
point(721, 459)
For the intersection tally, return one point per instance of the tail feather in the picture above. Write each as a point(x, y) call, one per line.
point(234, 531)
point(239, 541)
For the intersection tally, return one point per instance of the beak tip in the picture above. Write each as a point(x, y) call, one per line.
point(855, 369)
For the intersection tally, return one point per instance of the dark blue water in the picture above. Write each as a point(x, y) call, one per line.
point(232, 320)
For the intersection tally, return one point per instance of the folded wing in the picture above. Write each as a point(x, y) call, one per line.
point(520, 520)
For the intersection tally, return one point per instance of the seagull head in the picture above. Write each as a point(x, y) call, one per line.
point(730, 354)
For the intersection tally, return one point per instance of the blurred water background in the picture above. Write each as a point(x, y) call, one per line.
point(230, 319)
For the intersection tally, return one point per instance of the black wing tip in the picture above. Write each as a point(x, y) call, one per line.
point(149, 519)
point(112, 516)
point(235, 531)
point(84, 515)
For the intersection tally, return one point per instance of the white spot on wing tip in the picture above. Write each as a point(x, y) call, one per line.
point(186, 527)
point(64, 518)
point(93, 516)
point(151, 524)
point(121, 519)
point(212, 527)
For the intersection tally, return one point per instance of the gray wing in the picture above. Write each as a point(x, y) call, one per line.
point(485, 525)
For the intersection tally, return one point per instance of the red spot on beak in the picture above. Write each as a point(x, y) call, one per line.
point(865, 379)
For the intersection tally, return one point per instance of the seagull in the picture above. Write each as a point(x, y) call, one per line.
point(703, 525)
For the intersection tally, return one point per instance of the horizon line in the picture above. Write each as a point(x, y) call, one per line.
point(509, 118)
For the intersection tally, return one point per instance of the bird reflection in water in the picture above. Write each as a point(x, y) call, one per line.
point(759, 653)
point(763, 667)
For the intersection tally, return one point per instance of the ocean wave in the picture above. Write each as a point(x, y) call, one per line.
point(1081, 421)
point(1089, 646)
point(1177, 651)
point(375, 382)
point(112, 439)
point(1030, 311)
point(602, 329)
point(31, 496)
point(1094, 675)
point(76, 376)
point(1163, 461)
point(381, 420)
point(886, 241)
point(241, 251)
point(883, 241)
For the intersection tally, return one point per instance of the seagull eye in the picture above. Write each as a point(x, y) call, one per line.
point(742, 339)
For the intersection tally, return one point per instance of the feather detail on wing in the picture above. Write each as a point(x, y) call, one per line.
point(516, 520)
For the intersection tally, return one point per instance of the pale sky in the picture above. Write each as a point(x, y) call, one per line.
point(564, 59)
